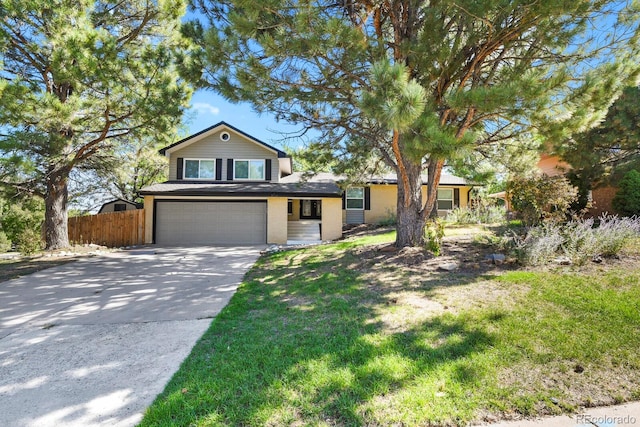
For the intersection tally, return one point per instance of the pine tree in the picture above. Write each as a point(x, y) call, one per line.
point(419, 83)
point(77, 79)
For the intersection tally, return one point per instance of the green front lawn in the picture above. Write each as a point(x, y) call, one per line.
point(328, 336)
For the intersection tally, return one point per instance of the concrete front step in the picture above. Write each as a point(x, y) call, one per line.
point(303, 230)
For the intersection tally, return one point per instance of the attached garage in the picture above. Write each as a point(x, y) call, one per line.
point(203, 222)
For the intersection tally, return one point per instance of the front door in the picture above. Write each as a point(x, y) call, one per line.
point(310, 209)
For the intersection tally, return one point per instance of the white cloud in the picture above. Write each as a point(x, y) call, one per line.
point(203, 107)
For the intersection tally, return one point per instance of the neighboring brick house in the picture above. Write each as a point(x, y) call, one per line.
point(600, 197)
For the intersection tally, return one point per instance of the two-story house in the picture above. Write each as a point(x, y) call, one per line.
point(226, 187)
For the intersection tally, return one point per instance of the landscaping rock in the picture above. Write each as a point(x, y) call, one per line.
point(497, 259)
point(449, 266)
point(562, 260)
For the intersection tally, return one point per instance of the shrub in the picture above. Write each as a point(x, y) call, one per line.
point(435, 233)
point(615, 232)
point(477, 215)
point(581, 241)
point(627, 199)
point(5, 243)
point(578, 240)
point(539, 246)
point(542, 199)
point(19, 215)
point(29, 241)
point(389, 219)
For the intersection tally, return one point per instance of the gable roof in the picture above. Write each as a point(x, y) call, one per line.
point(205, 132)
point(445, 179)
point(137, 205)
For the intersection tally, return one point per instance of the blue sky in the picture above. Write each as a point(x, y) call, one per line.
point(209, 108)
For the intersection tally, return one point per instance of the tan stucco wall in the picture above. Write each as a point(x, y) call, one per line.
point(277, 220)
point(383, 203)
point(384, 200)
point(148, 219)
point(295, 216)
point(331, 218)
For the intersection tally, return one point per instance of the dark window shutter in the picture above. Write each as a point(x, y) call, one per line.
point(267, 172)
point(218, 169)
point(179, 173)
point(344, 199)
point(367, 198)
point(229, 169)
point(456, 197)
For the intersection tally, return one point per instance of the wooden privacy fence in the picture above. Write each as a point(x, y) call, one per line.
point(113, 229)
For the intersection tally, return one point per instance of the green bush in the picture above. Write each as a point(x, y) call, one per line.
point(20, 215)
point(389, 219)
point(627, 199)
point(5, 243)
point(435, 233)
point(542, 199)
point(29, 241)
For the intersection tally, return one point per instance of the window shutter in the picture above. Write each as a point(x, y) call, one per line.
point(180, 165)
point(229, 169)
point(456, 197)
point(344, 199)
point(267, 172)
point(218, 169)
point(367, 198)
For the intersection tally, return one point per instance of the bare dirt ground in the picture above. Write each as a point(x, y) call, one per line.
point(23, 265)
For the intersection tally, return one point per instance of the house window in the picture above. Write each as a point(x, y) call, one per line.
point(248, 169)
point(445, 199)
point(119, 207)
point(199, 169)
point(355, 198)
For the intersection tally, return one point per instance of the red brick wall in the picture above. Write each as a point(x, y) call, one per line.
point(602, 198)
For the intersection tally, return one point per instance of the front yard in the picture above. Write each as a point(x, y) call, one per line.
point(349, 334)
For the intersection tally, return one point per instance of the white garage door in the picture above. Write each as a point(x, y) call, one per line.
point(210, 223)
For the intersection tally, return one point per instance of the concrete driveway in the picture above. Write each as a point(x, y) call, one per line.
point(93, 342)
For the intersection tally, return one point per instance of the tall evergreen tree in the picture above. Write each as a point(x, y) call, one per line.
point(418, 83)
point(603, 154)
point(78, 78)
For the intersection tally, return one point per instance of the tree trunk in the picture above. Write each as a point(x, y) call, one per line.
point(410, 220)
point(412, 216)
point(55, 219)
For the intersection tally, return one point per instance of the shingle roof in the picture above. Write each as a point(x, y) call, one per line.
point(445, 179)
point(244, 189)
point(319, 185)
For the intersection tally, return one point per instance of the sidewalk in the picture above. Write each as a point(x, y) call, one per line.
point(606, 416)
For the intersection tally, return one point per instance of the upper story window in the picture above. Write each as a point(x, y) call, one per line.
point(248, 169)
point(199, 169)
point(445, 199)
point(355, 198)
